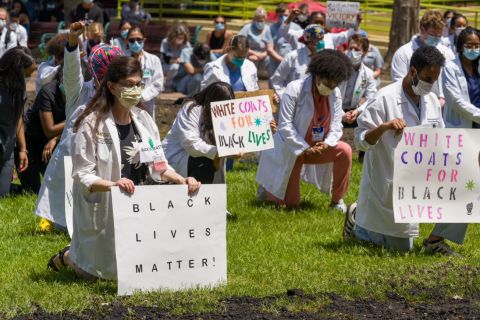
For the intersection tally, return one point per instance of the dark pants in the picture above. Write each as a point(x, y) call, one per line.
point(31, 178)
point(6, 175)
point(202, 169)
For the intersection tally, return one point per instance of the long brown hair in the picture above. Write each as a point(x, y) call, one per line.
point(119, 68)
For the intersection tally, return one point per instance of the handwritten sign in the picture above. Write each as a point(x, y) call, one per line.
point(165, 239)
point(242, 125)
point(257, 93)
point(437, 176)
point(67, 162)
point(342, 14)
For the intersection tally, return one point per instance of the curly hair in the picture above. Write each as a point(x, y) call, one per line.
point(331, 64)
point(426, 56)
point(432, 19)
point(56, 46)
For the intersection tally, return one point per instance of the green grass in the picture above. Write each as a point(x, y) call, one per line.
point(269, 251)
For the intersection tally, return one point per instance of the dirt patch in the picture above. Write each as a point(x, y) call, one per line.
point(394, 307)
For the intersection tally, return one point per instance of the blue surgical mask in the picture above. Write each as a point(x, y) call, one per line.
point(219, 26)
point(471, 54)
point(259, 25)
point(320, 45)
point(433, 41)
point(124, 34)
point(136, 47)
point(238, 62)
point(283, 18)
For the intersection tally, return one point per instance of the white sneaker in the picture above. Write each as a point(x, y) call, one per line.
point(340, 206)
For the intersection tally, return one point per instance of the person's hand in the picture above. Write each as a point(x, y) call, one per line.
point(48, 149)
point(350, 116)
point(237, 156)
point(193, 185)
point(76, 29)
point(396, 124)
point(253, 57)
point(293, 14)
point(175, 61)
point(359, 20)
point(216, 162)
point(23, 159)
point(273, 126)
point(126, 185)
point(276, 98)
point(261, 55)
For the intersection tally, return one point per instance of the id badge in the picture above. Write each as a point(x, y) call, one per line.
point(433, 122)
point(147, 73)
point(317, 133)
point(148, 151)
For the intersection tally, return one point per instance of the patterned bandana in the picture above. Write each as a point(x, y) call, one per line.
point(100, 57)
point(312, 31)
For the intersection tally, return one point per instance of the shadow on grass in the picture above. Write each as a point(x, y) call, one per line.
point(68, 277)
point(353, 246)
point(305, 206)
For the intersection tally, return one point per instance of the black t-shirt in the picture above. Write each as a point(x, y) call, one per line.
point(7, 124)
point(95, 13)
point(49, 99)
point(130, 152)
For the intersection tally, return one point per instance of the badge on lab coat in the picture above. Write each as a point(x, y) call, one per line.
point(317, 133)
point(147, 73)
point(149, 151)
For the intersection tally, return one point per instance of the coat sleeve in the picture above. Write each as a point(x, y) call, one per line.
point(336, 127)
point(453, 94)
point(371, 90)
point(294, 141)
point(372, 116)
point(290, 34)
point(72, 78)
point(342, 37)
point(399, 65)
point(280, 75)
point(208, 76)
point(156, 86)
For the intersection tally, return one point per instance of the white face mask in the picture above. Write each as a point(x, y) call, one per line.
point(323, 89)
point(355, 57)
point(422, 88)
point(130, 97)
point(459, 30)
point(3, 23)
point(13, 26)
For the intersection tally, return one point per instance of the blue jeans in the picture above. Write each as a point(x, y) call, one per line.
point(389, 242)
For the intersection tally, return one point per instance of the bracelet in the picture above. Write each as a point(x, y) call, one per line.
point(26, 151)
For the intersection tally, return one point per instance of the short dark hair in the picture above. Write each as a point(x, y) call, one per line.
point(281, 8)
point(362, 41)
point(331, 64)
point(201, 51)
point(426, 56)
point(14, 14)
point(240, 42)
point(446, 13)
point(455, 17)
point(463, 36)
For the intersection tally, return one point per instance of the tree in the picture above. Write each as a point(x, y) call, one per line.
point(404, 25)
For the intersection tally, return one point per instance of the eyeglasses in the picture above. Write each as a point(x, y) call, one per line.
point(221, 22)
point(131, 85)
point(132, 40)
point(472, 45)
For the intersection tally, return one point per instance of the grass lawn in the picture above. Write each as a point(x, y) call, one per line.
point(269, 251)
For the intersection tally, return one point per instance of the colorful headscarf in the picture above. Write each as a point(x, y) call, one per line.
point(312, 31)
point(100, 58)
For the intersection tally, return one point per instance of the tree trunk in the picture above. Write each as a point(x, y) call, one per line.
point(404, 25)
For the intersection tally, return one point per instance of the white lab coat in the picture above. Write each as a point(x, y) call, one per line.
point(459, 112)
point(375, 201)
point(401, 62)
point(152, 79)
point(296, 112)
point(22, 35)
point(218, 71)
point(4, 47)
point(46, 72)
point(97, 155)
point(185, 140)
point(293, 67)
point(51, 197)
point(365, 86)
point(332, 40)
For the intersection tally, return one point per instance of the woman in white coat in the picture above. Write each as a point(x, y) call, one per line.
point(233, 68)
point(461, 83)
point(106, 153)
point(151, 66)
point(409, 102)
point(190, 144)
point(78, 91)
point(309, 130)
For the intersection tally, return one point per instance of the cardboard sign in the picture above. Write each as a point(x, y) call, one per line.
point(342, 14)
point(257, 93)
point(437, 176)
point(67, 162)
point(165, 239)
point(242, 125)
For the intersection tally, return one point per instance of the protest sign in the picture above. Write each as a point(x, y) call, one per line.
point(437, 176)
point(342, 14)
point(165, 239)
point(242, 125)
point(67, 162)
point(262, 92)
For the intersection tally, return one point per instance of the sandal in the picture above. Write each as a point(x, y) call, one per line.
point(58, 257)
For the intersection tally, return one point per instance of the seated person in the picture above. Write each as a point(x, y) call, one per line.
point(190, 74)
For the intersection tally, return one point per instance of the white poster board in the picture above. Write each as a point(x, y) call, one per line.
point(342, 14)
point(165, 239)
point(242, 125)
point(67, 162)
point(437, 176)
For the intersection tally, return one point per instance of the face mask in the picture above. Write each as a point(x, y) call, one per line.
point(355, 57)
point(3, 23)
point(130, 97)
point(282, 19)
point(219, 26)
point(459, 30)
point(61, 87)
point(238, 62)
point(136, 47)
point(320, 45)
point(259, 25)
point(447, 22)
point(13, 26)
point(433, 41)
point(124, 34)
point(422, 88)
point(471, 54)
point(323, 89)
